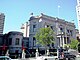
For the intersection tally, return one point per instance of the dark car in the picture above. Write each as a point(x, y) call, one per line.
point(70, 56)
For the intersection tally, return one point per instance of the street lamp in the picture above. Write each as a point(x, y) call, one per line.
point(58, 10)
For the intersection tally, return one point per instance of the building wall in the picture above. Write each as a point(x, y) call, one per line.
point(25, 29)
point(77, 35)
point(1, 40)
point(15, 41)
point(42, 21)
point(78, 14)
point(67, 29)
point(25, 43)
point(2, 19)
point(34, 26)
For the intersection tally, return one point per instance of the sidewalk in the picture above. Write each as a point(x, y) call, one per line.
point(25, 59)
point(31, 59)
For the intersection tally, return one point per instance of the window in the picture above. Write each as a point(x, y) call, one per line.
point(10, 41)
point(59, 41)
point(17, 41)
point(65, 40)
point(34, 41)
point(68, 41)
point(68, 31)
point(78, 11)
point(71, 32)
point(61, 29)
point(34, 27)
point(1, 41)
point(47, 25)
point(52, 27)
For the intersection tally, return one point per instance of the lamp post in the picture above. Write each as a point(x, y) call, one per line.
point(58, 10)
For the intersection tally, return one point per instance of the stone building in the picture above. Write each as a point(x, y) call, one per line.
point(77, 35)
point(64, 30)
point(15, 43)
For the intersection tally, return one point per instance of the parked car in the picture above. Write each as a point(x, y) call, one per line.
point(70, 56)
point(5, 58)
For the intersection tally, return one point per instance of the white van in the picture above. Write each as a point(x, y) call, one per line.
point(46, 58)
point(5, 58)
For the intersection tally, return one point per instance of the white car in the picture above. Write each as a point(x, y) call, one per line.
point(5, 58)
point(46, 58)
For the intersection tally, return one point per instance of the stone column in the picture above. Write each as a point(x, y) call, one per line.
point(60, 42)
point(7, 53)
point(37, 53)
point(23, 54)
point(63, 41)
point(47, 52)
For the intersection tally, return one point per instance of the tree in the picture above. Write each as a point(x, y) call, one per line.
point(74, 44)
point(45, 36)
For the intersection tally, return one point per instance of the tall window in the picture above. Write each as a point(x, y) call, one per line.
point(10, 41)
point(47, 25)
point(17, 41)
point(34, 26)
point(67, 31)
point(34, 41)
point(68, 41)
point(65, 40)
point(61, 29)
point(71, 32)
point(1, 41)
point(52, 27)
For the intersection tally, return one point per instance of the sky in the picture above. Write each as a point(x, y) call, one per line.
point(18, 11)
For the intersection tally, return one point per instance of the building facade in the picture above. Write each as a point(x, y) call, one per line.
point(2, 19)
point(3, 44)
point(25, 29)
point(64, 31)
point(77, 35)
point(15, 44)
point(78, 14)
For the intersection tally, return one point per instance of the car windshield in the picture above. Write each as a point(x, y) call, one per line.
point(4, 58)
